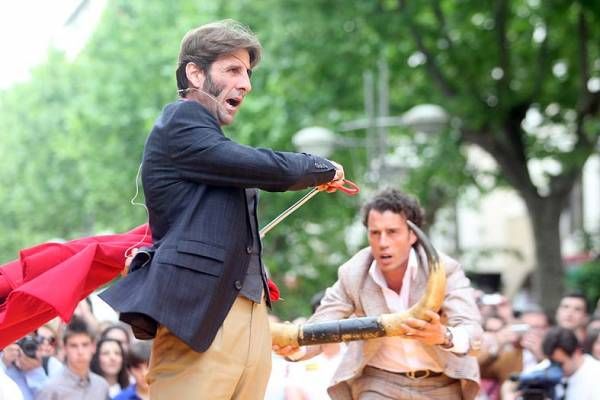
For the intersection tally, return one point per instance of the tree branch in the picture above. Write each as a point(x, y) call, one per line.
point(561, 185)
point(514, 133)
point(442, 23)
point(542, 58)
point(582, 48)
point(431, 64)
point(587, 103)
point(514, 169)
point(500, 21)
point(441, 18)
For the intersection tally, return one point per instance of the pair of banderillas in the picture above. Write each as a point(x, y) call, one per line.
point(283, 334)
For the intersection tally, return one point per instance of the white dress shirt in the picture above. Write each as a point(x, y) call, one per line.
point(398, 354)
point(582, 385)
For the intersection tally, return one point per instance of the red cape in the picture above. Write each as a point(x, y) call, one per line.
point(50, 279)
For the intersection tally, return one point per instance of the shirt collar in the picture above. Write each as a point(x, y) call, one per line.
point(76, 378)
point(411, 269)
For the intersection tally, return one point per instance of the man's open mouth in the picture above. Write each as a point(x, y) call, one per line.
point(233, 102)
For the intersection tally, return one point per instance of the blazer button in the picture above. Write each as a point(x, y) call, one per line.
point(249, 249)
point(237, 285)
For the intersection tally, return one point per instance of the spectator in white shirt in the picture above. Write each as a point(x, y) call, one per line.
point(581, 370)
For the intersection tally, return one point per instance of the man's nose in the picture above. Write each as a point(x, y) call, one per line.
point(383, 240)
point(244, 83)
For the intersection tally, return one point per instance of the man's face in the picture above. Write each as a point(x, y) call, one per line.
point(228, 80)
point(79, 349)
point(536, 321)
point(571, 313)
point(390, 239)
point(568, 363)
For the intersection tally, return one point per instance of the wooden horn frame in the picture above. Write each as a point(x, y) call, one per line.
point(363, 328)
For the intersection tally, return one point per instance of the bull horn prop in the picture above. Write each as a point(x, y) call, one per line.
point(364, 328)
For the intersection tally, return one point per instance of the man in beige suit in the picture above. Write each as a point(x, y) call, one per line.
point(431, 361)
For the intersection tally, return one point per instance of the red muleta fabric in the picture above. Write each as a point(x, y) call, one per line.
point(50, 279)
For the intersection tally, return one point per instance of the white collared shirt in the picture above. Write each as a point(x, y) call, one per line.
point(582, 384)
point(398, 354)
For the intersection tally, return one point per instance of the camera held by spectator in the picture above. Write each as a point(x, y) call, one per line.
point(29, 345)
point(539, 384)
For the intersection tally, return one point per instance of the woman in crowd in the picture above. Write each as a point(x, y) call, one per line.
point(109, 362)
point(47, 337)
point(118, 332)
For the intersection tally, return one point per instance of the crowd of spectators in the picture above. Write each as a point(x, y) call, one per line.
point(518, 342)
point(92, 359)
point(85, 359)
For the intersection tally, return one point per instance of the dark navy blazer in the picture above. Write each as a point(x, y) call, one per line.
point(194, 182)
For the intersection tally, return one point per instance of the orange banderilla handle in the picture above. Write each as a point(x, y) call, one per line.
point(345, 185)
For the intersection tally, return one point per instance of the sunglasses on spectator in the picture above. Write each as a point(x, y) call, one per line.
point(51, 340)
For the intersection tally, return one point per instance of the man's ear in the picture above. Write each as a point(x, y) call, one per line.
point(412, 237)
point(194, 74)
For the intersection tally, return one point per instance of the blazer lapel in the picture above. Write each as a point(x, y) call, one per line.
point(372, 298)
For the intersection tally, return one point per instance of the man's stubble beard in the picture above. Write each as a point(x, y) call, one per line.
point(210, 87)
point(216, 109)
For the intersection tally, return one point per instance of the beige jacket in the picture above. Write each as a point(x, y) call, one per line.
point(356, 294)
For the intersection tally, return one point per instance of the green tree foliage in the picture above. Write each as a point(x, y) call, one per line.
point(493, 63)
point(586, 279)
point(72, 137)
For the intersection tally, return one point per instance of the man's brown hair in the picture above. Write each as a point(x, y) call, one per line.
point(397, 202)
point(203, 45)
point(76, 326)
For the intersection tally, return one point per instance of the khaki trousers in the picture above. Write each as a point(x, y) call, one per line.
point(237, 364)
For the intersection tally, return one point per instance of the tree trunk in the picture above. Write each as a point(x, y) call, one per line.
point(548, 276)
point(544, 211)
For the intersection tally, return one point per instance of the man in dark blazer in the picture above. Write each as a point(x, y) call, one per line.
point(201, 290)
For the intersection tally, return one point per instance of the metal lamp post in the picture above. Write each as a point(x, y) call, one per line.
point(425, 118)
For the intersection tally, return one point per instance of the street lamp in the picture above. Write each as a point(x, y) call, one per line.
point(423, 118)
point(426, 118)
point(315, 140)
